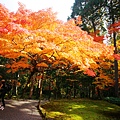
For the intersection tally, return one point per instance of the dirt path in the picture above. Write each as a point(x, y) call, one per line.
point(20, 110)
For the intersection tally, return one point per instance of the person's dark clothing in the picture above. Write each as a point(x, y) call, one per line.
point(3, 92)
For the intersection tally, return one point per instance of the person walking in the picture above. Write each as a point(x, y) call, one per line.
point(2, 95)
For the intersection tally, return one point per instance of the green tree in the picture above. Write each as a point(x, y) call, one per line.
point(95, 12)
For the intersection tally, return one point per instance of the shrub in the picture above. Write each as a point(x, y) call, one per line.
point(113, 100)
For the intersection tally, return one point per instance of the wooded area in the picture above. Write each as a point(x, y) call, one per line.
point(43, 57)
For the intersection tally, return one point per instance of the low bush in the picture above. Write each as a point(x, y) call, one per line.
point(113, 100)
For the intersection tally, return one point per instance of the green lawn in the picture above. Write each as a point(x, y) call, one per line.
point(81, 109)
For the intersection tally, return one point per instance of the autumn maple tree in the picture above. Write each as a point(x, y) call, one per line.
point(38, 41)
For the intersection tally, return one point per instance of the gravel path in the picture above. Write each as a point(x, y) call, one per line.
point(20, 110)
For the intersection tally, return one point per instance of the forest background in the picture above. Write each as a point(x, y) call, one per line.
point(41, 54)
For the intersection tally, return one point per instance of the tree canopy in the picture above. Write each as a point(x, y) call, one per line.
point(26, 35)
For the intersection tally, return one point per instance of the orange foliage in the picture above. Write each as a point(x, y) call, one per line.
point(105, 74)
point(27, 34)
point(104, 81)
point(42, 65)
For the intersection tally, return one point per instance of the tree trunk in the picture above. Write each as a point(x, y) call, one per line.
point(73, 90)
point(94, 27)
point(40, 92)
point(24, 90)
point(49, 92)
point(31, 88)
point(115, 51)
point(14, 89)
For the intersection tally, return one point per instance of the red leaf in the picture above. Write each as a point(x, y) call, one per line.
point(116, 56)
point(98, 38)
point(114, 27)
point(90, 73)
point(3, 30)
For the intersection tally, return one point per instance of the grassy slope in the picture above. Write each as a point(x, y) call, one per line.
point(82, 109)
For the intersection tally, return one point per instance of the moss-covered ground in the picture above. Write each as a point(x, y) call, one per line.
point(81, 109)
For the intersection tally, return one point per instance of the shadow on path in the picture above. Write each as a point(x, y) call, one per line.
point(20, 110)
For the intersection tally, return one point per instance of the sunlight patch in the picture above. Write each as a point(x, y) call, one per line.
point(76, 117)
point(54, 114)
point(94, 106)
point(11, 106)
point(78, 106)
point(110, 108)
